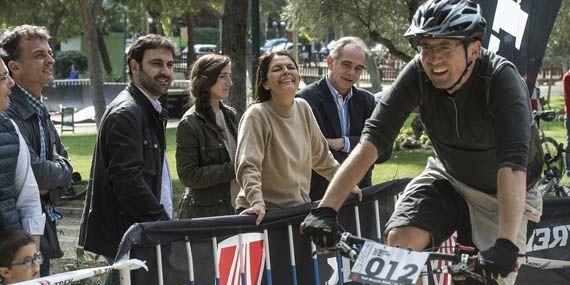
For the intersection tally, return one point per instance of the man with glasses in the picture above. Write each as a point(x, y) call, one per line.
point(341, 108)
point(476, 111)
point(30, 61)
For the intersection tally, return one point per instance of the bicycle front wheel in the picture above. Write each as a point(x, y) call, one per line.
point(550, 149)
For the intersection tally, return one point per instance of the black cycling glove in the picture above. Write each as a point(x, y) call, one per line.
point(500, 259)
point(321, 226)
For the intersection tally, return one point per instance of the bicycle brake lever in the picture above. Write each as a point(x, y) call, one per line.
point(351, 253)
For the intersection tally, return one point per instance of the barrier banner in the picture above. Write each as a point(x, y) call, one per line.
point(519, 31)
point(548, 240)
point(77, 275)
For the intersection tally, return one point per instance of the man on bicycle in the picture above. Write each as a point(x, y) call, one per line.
point(475, 108)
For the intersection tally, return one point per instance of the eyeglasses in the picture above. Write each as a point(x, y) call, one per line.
point(28, 260)
point(442, 49)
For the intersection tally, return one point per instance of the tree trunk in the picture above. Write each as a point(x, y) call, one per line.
point(234, 27)
point(155, 27)
point(90, 33)
point(191, 55)
point(374, 75)
point(104, 53)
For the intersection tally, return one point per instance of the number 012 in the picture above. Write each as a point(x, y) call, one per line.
point(376, 264)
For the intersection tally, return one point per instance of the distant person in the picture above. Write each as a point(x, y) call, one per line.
point(30, 62)
point(566, 86)
point(20, 206)
point(279, 142)
point(73, 73)
point(20, 259)
point(340, 108)
point(131, 179)
point(206, 142)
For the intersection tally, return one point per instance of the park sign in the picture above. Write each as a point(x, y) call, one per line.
point(519, 30)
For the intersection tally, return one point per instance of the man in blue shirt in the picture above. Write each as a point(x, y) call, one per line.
point(341, 108)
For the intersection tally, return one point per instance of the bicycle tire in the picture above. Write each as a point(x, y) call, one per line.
point(550, 149)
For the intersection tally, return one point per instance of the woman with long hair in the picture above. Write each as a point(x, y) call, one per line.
point(206, 142)
point(279, 142)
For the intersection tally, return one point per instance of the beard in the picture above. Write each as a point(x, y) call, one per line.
point(152, 85)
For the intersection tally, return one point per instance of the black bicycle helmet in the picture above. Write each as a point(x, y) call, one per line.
point(459, 19)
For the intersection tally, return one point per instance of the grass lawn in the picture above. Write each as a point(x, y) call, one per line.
point(404, 163)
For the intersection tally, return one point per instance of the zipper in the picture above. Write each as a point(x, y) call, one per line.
point(456, 117)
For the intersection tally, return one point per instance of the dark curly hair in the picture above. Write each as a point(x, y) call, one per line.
point(10, 242)
point(14, 35)
point(204, 75)
point(262, 94)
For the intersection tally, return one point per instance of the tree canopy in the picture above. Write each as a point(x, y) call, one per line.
point(378, 21)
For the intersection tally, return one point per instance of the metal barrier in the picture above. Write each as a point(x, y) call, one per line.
point(233, 250)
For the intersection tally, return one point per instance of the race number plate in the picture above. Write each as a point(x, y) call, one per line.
point(380, 264)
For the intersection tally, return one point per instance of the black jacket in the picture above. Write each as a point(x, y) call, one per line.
point(204, 163)
point(126, 172)
point(360, 107)
point(9, 149)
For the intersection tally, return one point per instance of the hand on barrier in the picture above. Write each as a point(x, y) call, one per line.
point(255, 210)
point(500, 259)
point(356, 191)
point(321, 226)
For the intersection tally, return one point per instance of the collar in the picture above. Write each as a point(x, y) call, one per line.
point(154, 102)
point(335, 93)
point(282, 111)
point(19, 103)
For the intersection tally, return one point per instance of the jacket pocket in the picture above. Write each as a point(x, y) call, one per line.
point(151, 153)
point(189, 208)
point(215, 153)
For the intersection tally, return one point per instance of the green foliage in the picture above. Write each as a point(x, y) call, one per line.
point(64, 60)
point(558, 49)
point(373, 20)
point(81, 261)
point(207, 35)
point(61, 17)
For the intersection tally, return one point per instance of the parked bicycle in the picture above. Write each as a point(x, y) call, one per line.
point(77, 188)
point(554, 152)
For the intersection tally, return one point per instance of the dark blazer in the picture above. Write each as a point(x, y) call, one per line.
point(126, 172)
point(360, 107)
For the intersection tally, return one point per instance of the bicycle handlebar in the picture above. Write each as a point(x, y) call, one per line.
point(463, 260)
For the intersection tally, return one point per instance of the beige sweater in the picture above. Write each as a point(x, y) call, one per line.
point(276, 150)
